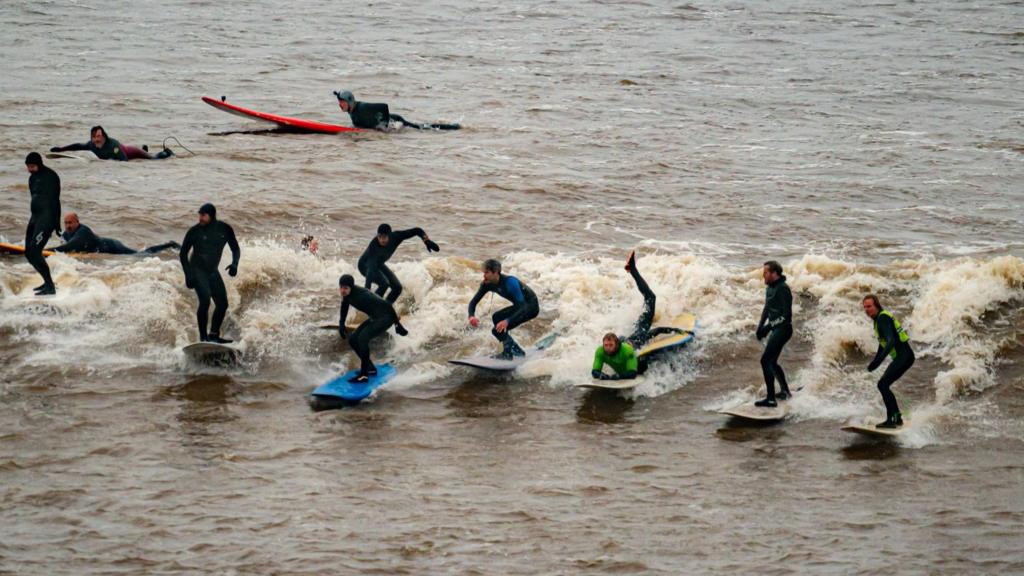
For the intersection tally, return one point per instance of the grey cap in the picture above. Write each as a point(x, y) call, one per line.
point(346, 96)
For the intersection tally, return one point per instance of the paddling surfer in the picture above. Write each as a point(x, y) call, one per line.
point(107, 148)
point(80, 238)
point(371, 116)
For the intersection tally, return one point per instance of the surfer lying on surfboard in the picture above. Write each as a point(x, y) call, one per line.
point(106, 148)
point(621, 353)
point(372, 116)
point(524, 308)
point(80, 238)
point(894, 342)
point(380, 315)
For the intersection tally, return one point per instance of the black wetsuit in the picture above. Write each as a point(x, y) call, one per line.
point(901, 362)
point(642, 331)
point(777, 323)
point(207, 244)
point(44, 186)
point(372, 264)
point(380, 314)
point(524, 308)
point(111, 149)
point(85, 240)
point(371, 116)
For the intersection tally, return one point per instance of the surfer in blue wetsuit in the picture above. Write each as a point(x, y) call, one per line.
point(44, 188)
point(894, 342)
point(373, 262)
point(523, 309)
point(380, 314)
point(206, 241)
point(777, 324)
point(106, 148)
point(80, 238)
point(370, 116)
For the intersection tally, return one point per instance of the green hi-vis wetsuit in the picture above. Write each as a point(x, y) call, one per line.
point(624, 362)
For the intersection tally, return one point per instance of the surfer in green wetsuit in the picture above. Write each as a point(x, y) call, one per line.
point(370, 116)
point(106, 148)
point(621, 353)
point(893, 342)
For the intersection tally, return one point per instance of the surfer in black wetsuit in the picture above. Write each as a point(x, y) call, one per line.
point(373, 262)
point(80, 238)
point(106, 148)
point(380, 314)
point(894, 342)
point(372, 116)
point(777, 324)
point(44, 187)
point(206, 241)
point(524, 308)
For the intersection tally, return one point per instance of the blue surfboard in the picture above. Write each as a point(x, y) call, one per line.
point(340, 391)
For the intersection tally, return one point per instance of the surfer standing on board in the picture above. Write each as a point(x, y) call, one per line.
point(44, 187)
point(373, 262)
point(524, 308)
point(206, 241)
point(370, 116)
point(777, 324)
point(106, 148)
point(380, 314)
point(894, 342)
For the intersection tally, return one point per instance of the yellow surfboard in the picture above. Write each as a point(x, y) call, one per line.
point(686, 322)
point(6, 248)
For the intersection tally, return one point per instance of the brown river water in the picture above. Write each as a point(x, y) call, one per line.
point(872, 147)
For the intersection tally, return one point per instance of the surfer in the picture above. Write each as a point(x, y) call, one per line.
point(894, 342)
point(106, 148)
point(777, 324)
point(206, 241)
point(373, 262)
point(523, 309)
point(44, 188)
point(621, 353)
point(372, 116)
point(380, 314)
point(80, 238)
point(310, 244)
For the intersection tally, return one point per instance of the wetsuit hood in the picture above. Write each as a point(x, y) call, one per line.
point(384, 229)
point(782, 278)
point(346, 280)
point(34, 158)
point(346, 96)
point(209, 209)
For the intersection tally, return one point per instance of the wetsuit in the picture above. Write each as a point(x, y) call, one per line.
point(44, 186)
point(523, 309)
point(83, 239)
point(113, 150)
point(624, 362)
point(380, 314)
point(206, 244)
point(372, 264)
point(776, 323)
point(642, 331)
point(372, 116)
point(894, 342)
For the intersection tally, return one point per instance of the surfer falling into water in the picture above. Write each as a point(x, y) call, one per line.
point(523, 309)
point(44, 188)
point(206, 241)
point(372, 116)
point(106, 148)
point(777, 324)
point(380, 314)
point(894, 342)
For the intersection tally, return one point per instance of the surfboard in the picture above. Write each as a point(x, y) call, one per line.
point(211, 353)
point(284, 121)
point(334, 327)
point(17, 249)
point(757, 413)
point(341, 392)
point(497, 364)
point(612, 384)
point(685, 322)
point(870, 430)
point(61, 155)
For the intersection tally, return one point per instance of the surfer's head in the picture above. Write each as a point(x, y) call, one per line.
point(871, 305)
point(383, 234)
point(71, 222)
point(611, 344)
point(346, 100)
point(33, 161)
point(492, 271)
point(345, 284)
point(771, 272)
point(207, 213)
point(98, 136)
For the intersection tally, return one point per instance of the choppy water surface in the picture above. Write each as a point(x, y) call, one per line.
point(869, 148)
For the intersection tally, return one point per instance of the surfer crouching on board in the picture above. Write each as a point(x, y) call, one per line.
point(370, 116)
point(380, 314)
point(777, 324)
point(80, 238)
point(44, 188)
point(106, 148)
point(621, 353)
point(373, 262)
point(206, 241)
point(893, 342)
point(524, 308)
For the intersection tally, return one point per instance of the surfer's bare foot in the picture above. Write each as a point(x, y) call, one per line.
point(631, 261)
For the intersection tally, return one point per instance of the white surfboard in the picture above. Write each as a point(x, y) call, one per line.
point(870, 430)
point(612, 384)
point(497, 364)
point(750, 412)
point(212, 353)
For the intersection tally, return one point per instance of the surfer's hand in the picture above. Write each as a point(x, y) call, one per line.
point(431, 245)
point(762, 332)
point(596, 374)
point(474, 321)
point(501, 326)
point(232, 270)
point(873, 366)
point(189, 283)
point(342, 332)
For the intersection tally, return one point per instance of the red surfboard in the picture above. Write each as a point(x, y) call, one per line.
point(285, 121)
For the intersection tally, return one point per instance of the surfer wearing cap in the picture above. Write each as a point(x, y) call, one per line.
point(373, 262)
point(206, 241)
point(621, 353)
point(80, 238)
point(524, 308)
point(44, 188)
point(372, 116)
point(106, 148)
point(894, 342)
point(380, 314)
point(777, 324)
